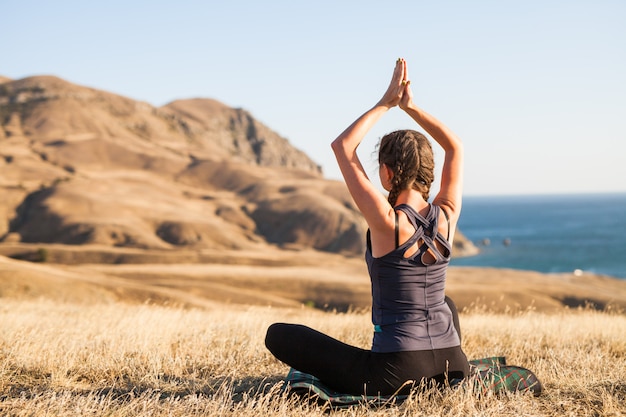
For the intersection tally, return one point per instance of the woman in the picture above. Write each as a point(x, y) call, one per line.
point(416, 331)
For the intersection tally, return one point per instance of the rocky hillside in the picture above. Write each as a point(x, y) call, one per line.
point(83, 166)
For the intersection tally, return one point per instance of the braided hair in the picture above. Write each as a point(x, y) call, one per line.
point(410, 157)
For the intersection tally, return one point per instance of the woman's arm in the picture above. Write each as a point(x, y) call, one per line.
point(451, 189)
point(373, 205)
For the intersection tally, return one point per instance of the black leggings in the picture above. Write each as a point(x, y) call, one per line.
point(352, 370)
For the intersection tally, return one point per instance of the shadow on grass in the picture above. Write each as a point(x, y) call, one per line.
point(168, 387)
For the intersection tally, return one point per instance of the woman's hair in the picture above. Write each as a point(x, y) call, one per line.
point(410, 156)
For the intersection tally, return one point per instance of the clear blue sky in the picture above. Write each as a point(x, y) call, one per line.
point(536, 89)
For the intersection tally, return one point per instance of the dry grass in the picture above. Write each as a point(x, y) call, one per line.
point(116, 359)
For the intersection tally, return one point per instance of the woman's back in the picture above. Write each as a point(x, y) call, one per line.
point(408, 307)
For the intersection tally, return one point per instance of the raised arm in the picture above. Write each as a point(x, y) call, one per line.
point(373, 205)
point(451, 188)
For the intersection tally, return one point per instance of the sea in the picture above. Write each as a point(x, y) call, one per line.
point(583, 233)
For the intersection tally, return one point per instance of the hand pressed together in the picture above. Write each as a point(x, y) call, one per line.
point(406, 100)
point(399, 92)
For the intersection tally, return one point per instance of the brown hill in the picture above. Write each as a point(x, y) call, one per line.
point(83, 166)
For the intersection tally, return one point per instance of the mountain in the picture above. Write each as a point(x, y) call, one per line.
point(83, 166)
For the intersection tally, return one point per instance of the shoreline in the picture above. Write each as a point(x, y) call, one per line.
point(547, 233)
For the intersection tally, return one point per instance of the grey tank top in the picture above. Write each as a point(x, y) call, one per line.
point(408, 307)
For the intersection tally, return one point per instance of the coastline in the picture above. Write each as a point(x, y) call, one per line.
point(559, 233)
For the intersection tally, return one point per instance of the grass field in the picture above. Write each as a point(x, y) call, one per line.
point(118, 359)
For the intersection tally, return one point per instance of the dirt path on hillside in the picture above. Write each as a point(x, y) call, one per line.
point(320, 280)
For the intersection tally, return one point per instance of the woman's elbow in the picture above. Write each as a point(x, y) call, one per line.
point(338, 147)
point(335, 145)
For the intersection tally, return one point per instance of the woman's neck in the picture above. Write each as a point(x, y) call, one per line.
point(412, 198)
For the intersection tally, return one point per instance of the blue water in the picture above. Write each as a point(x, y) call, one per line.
point(559, 233)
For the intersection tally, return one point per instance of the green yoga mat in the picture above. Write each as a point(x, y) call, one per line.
point(488, 374)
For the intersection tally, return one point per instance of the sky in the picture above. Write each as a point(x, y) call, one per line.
point(536, 90)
